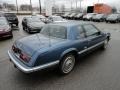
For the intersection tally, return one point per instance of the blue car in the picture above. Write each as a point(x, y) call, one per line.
point(58, 44)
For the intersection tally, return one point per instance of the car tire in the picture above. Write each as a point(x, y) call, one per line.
point(17, 24)
point(67, 64)
point(23, 28)
point(27, 30)
point(11, 35)
point(105, 44)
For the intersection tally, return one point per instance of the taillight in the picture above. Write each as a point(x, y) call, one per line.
point(25, 57)
point(14, 48)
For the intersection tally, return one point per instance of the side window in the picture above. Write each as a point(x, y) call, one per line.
point(90, 30)
point(80, 33)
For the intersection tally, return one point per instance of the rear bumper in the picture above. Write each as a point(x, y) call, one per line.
point(27, 69)
point(13, 22)
point(6, 34)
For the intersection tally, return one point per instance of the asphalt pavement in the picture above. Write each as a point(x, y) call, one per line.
point(99, 70)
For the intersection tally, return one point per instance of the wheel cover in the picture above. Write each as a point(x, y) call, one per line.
point(68, 64)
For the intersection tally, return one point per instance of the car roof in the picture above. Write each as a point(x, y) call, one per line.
point(70, 24)
point(2, 18)
point(54, 16)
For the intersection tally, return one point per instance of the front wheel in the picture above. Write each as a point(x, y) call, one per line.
point(105, 45)
point(23, 28)
point(17, 24)
point(67, 64)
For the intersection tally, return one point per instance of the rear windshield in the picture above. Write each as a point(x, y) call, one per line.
point(113, 15)
point(10, 15)
point(30, 20)
point(56, 18)
point(55, 31)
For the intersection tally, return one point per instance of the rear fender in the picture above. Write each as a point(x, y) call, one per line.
point(68, 51)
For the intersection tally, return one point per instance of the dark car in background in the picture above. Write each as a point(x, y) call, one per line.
point(99, 17)
point(113, 18)
point(12, 18)
point(79, 16)
point(5, 29)
point(58, 45)
point(32, 24)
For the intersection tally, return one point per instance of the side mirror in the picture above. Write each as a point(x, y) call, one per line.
point(99, 33)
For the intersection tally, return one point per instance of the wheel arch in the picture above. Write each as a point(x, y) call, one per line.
point(68, 51)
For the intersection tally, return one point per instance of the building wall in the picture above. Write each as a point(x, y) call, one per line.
point(102, 8)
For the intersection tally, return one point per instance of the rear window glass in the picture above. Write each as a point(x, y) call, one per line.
point(10, 15)
point(55, 31)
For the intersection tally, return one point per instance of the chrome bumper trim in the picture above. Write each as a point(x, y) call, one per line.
point(87, 49)
point(27, 69)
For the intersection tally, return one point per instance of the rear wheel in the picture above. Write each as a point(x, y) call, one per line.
point(67, 64)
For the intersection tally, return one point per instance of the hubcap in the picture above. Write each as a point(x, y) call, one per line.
point(68, 64)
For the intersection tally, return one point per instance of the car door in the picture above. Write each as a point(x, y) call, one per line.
point(81, 41)
point(93, 35)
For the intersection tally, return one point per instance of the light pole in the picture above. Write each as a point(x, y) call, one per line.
point(40, 6)
point(31, 6)
point(17, 6)
point(80, 5)
point(71, 4)
point(76, 5)
point(98, 1)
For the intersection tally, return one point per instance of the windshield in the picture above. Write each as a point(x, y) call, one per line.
point(55, 31)
point(30, 20)
point(57, 19)
point(3, 22)
point(113, 16)
point(66, 14)
point(79, 15)
point(99, 15)
point(73, 14)
point(90, 15)
point(10, 15)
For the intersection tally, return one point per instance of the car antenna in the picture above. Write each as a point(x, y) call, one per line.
point(49, 39)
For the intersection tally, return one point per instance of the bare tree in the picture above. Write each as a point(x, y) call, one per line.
point(114, 9)
point(63, 8)
point(1, 7)
point(11, 7)
point(25, 7)
point(55, 9)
